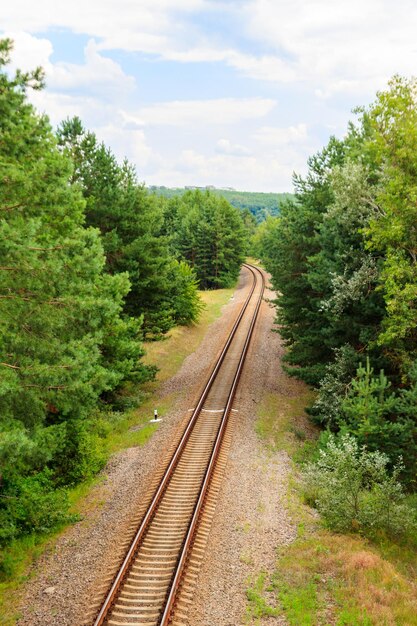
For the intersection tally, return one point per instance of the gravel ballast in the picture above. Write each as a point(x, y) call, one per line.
point(251, 519)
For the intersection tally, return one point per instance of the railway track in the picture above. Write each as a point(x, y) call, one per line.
point(155, 582)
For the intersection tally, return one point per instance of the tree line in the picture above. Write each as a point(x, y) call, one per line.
point(343, 259)
point(257, 204)
point(91, 266)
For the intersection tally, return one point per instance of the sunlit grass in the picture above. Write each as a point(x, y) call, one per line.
point(282, 422)
point(351, 580)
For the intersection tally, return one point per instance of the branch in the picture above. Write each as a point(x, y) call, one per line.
point(46, 249)
point(15, 298)
point(33, 297)
point(31, 367)
point(48, 387)
point(11, 208)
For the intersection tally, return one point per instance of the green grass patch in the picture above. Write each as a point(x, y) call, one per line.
point(299, 603)
point(283, 424)
point(324, 579)
point(16, 559)
point(258, 606)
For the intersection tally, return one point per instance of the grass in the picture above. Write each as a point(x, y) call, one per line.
point(324, 578)
point(252, 261)
point(258, 605)
point(282, 422)
point(131, 428)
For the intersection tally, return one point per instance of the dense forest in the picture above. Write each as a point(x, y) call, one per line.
point(259, 204)
point(343, 259)
point(91, 267)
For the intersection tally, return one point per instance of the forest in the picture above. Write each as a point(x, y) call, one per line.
point(259, 204)
point(92, 266)
point(343, 260)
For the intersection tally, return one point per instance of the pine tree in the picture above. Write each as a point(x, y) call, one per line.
point(63, 343)
point(131, 222)
point(211, 236)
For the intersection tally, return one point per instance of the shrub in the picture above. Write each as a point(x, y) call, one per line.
point(32, 504)
point(354, 491)
point(82, 456)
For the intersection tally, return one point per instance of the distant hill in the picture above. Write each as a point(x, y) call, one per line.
point(259, 204)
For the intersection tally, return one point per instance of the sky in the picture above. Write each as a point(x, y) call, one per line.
point(230, 93)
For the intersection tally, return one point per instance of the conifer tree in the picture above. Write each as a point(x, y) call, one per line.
point(131, 223)
point(211, 236)
point(62, 340)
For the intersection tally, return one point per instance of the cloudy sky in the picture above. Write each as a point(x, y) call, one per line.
point(233, 93)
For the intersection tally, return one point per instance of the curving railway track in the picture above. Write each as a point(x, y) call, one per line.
point(154, 585)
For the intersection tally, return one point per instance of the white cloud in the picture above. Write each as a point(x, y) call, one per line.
point(266, 67)
point(151, 26)
point(130, 144)
point(98, 75)
point(274, 136)
point(250, 173)
point(29, 51)
point(319, 48)
point(349, 47)
point(336, 47)
point(225, 146)
point(202, 112)
point(103, 18)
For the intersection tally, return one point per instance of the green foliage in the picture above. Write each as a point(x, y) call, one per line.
point(286, 246)
point(343, 262)
point(131, 222)
point(34, 504)
point(383, 419)
point(184, 299)
point(64, 345)
point(354, 491)
point(208, 233)
point(260, 205)
point(391, 123)
point(333, 387)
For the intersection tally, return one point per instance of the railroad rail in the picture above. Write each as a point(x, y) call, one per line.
point(145, 590)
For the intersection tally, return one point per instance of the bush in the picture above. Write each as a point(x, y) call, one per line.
point(354, 491)
point(83, 455)
point(184, 298)
point(32, 504)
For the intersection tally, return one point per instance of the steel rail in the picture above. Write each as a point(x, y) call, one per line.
point(123, 570)
point(181, 564)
